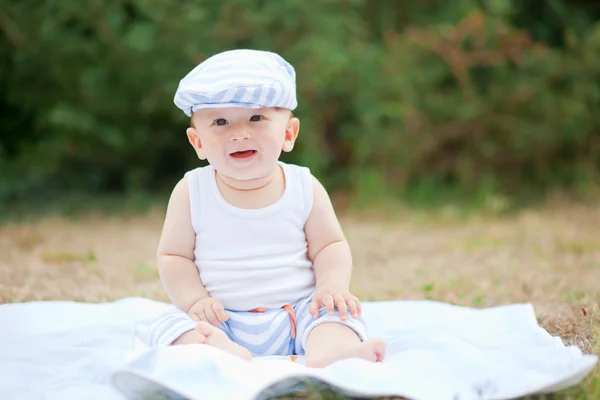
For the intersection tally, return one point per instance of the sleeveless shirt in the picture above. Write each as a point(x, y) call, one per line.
point(250, 258)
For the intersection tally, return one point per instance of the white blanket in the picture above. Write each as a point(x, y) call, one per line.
point(67, 350)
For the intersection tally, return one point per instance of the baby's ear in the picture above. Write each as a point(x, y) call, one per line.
point(194, 138)
point(291, 133)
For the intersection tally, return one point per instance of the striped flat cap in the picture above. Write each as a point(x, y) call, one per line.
point(238, 78)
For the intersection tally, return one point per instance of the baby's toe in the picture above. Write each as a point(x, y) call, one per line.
point(379, 349)
point(205, 328)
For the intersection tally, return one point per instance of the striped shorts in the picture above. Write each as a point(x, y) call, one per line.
point(273, 332)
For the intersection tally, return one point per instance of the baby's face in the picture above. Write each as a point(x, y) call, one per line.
point(243, 143)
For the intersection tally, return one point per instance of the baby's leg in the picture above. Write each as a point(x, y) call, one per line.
point(205, 333)
point(330, 339)
point(174, 327)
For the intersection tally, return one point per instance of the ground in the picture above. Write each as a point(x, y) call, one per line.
point(548, 257)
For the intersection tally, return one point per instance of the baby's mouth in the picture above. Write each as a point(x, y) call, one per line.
point(243, 154)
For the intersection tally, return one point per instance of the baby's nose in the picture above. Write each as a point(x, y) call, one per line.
point(240, 134)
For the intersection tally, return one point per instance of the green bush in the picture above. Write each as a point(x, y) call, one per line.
point(394, 98)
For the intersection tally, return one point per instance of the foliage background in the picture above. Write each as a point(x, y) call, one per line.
point(398, 99)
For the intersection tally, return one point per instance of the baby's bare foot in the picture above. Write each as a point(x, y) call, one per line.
point(213, 336)
point(370, 350)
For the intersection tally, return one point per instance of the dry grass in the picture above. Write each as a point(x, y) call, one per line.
point(550, 258)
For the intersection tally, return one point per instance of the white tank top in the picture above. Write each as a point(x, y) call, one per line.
point(252, 258)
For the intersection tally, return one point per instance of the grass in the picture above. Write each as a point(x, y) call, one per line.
point(547, 257)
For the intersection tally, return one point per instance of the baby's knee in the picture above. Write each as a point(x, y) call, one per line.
point(358, 325)
point(307, 326)
point(168, 327)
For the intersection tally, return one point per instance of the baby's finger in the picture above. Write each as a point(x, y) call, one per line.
point(340, 302)
point(314, 309)
point(199, 315)
point(194, 316)
point(328, 302)
point(211, 317)
point(352, 305)
point(220, 312)
point(358, 306)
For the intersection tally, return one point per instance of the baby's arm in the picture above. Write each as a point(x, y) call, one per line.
point(330, 254)
point(175, 253)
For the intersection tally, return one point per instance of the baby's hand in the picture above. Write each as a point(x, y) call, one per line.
point(331, 297)
point(208, 309)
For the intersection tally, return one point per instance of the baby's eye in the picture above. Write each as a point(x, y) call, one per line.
point(256, 118)
point(220, 121)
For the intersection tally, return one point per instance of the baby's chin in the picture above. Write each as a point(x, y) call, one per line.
point(248, 174)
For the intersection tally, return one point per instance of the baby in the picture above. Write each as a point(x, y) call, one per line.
point(252, 254)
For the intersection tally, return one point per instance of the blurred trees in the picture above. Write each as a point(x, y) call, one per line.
point(395, 96)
